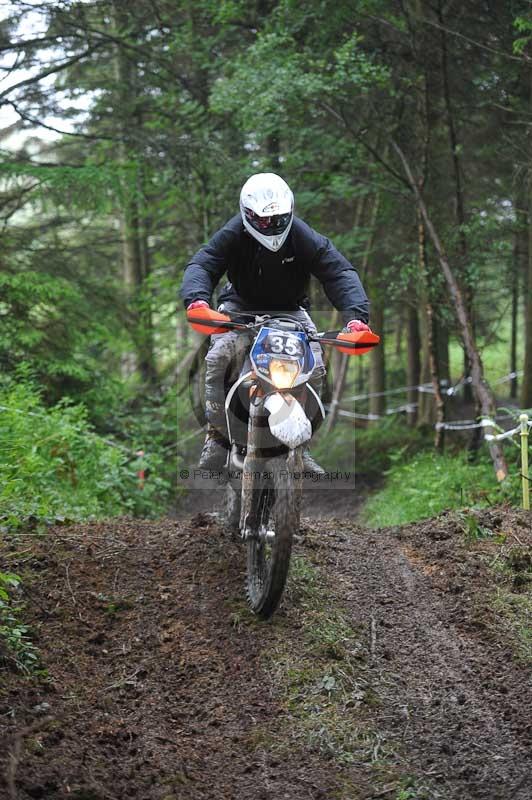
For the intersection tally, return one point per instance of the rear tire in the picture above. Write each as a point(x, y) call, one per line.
point(268, 562)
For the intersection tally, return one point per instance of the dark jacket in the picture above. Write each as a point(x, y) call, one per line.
point(267, 281)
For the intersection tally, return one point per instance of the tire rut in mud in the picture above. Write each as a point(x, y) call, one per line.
point(450, 688)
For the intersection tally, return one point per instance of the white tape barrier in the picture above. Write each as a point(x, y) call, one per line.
point(509, 377)
point(490, 437)
point(459, 425)
point(428, 388)
point(453, 389)
point(408, 407)
point(425, 387)
point(466, 424)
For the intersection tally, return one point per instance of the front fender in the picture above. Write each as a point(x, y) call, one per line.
point(287, 420)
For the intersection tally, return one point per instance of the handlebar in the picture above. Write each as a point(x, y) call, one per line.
point(207, 321)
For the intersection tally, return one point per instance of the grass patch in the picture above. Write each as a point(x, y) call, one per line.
point(325, 692)
point(513, 598)
point(495, 356)
point(430, 483)
point(517, 612)
point(321, 685)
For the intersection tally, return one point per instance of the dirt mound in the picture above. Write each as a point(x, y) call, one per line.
point(161, 686)
point(447, 663)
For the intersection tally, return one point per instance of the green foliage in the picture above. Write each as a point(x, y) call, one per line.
point(86, 186)
point(294, 78)
point(35, 309)
point(54, 466)
point(14, 637)
point(411, 790)
point(151, 423)
point(524, 26)
point(473, 530)
point(210, 93)
point(429, 483)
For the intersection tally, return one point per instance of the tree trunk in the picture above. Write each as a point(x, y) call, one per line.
point(376, 289)
point(481, 388)
point(145, 336)
point(459, 202)
point(133, 222)
point(519, 270)
point(430, 407)
point(399, 334)
point(413, 374)
point(513, 334)
point(377, 365)
point(441, 338)
point(430, 369)
point(526, 388)
point(426, 416)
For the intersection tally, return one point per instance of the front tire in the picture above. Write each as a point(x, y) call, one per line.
point(268, 559)
point(231, 509)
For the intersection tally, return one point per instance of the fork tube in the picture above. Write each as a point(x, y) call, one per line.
point(251, 474)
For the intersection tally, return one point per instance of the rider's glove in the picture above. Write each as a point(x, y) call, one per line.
point(198, 304)
point(355, 325)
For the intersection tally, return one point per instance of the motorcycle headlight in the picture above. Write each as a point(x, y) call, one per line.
point(283, 373)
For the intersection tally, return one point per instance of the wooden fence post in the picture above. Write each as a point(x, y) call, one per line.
point(525, 478)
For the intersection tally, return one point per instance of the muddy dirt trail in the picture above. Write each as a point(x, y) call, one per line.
point(387, 673)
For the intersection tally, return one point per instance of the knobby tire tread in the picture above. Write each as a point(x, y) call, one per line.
point(286, 518)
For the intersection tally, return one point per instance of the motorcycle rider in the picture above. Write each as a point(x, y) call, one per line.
point(269, 255)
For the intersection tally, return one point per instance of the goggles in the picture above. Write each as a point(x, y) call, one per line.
point(269, 226)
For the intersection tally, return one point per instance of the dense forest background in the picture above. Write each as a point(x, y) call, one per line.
point(404, 129)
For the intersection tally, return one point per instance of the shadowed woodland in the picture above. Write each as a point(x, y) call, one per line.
point(129, 129)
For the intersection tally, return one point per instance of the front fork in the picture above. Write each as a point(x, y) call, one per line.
point(255, 479)
point(253, 473)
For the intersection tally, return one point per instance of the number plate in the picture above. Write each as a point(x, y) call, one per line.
point(285, 345)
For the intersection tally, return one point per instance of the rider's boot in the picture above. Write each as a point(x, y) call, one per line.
point(214, 453)
point(311, 465)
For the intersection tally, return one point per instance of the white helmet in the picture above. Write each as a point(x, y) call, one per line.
point(267, 208)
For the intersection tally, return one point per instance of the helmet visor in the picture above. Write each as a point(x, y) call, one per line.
point(269, 226)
